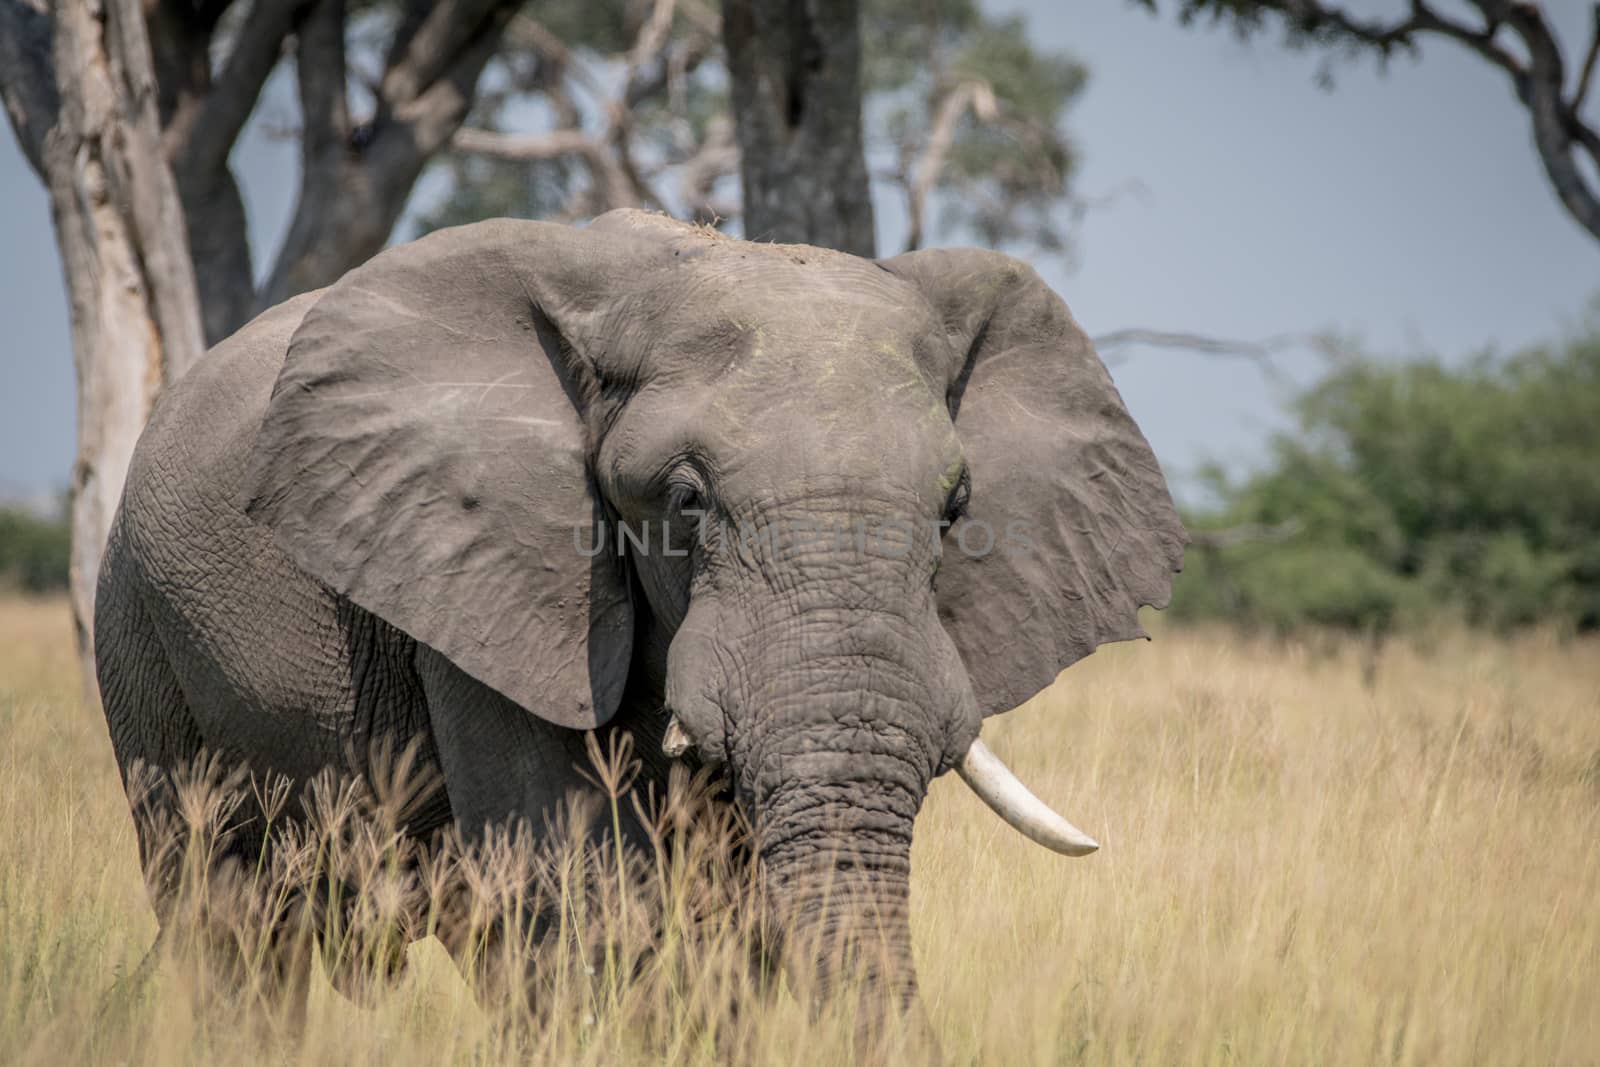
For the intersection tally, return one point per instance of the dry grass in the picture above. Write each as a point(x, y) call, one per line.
point(1296, 869)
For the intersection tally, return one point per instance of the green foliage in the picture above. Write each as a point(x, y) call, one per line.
point(1303, 25)
point(562, 79)
point(484, 188)
point(33, 551)
point(599, 25)
point(1419, 488)
point(1000, 183)
point(1004, 174)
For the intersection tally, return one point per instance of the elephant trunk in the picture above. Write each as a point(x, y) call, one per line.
point(843, 921)
point(839, 713)
point(834, 814)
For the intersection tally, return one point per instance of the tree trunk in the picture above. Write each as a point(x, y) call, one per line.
point(355, 178)
point(219, 247)
point(129, 158)
point(135, 316)
point(796, 93)
point(202, 102)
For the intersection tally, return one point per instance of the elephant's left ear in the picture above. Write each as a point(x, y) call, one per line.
point(1070, 528)
point(426, 453)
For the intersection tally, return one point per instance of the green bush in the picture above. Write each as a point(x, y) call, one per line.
point(1418, 489)
point(33, 551)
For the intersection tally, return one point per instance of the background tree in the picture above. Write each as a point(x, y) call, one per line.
point(34, 549)
point(795, 71)
point(1418, 489)
point(80, 90)
point(1514, 36)
point(971, 119)
point(128, 113)
point(627, 103)
point(563, 109)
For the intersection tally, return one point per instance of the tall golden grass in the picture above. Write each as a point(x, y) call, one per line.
point(1297, 867)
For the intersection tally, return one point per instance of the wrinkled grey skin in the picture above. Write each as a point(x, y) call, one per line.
point(355, 519)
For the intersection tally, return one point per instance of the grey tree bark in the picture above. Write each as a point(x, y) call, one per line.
point(356, 176)
point(356, 173)
point(796, 94)
point(81, 92)
point(203, 108)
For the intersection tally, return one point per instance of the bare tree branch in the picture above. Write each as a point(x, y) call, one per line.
point(211, 132)
point(612, 186)
point(524, 147)
point(1582, 89)
point(707, 21)
point(320, 69)
point(717, 158)
point(551, 49)
point(647, 71)
point(358, 176)
point(651, 67)
point(1425, 20)
point(1561, 134)
point(976, 96)
point(447, 32)
point(652, 36)
point(557, 65)
point(645, 74)
point(1246, 533)
point(669, 42)
point(1261, 353)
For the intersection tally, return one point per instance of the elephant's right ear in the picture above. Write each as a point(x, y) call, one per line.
point(425, 453)
point(1057, 461)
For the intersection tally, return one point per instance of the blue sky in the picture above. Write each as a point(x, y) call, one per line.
point(1407, 209)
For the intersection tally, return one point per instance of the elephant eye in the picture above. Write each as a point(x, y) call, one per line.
point(686, 498)
point(686, 486)
point(956, 505)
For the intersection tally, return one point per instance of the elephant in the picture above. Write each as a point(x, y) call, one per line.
point(805, 517)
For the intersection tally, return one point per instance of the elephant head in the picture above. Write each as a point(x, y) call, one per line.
point(862, 505)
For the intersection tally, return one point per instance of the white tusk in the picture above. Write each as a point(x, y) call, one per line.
point(675, 741)
point(1013, 802)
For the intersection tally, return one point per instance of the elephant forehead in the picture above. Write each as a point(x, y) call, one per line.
point(834, 413)
point(821, 338)
point(761, 345)
point(795, 295)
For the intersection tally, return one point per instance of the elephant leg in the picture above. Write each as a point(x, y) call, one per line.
point(506, 769)
point(152, 733)
point(161, 753)
point(502, 766)
point(500, 762)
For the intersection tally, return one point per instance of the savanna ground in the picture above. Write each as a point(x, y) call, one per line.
point(1297, 868)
